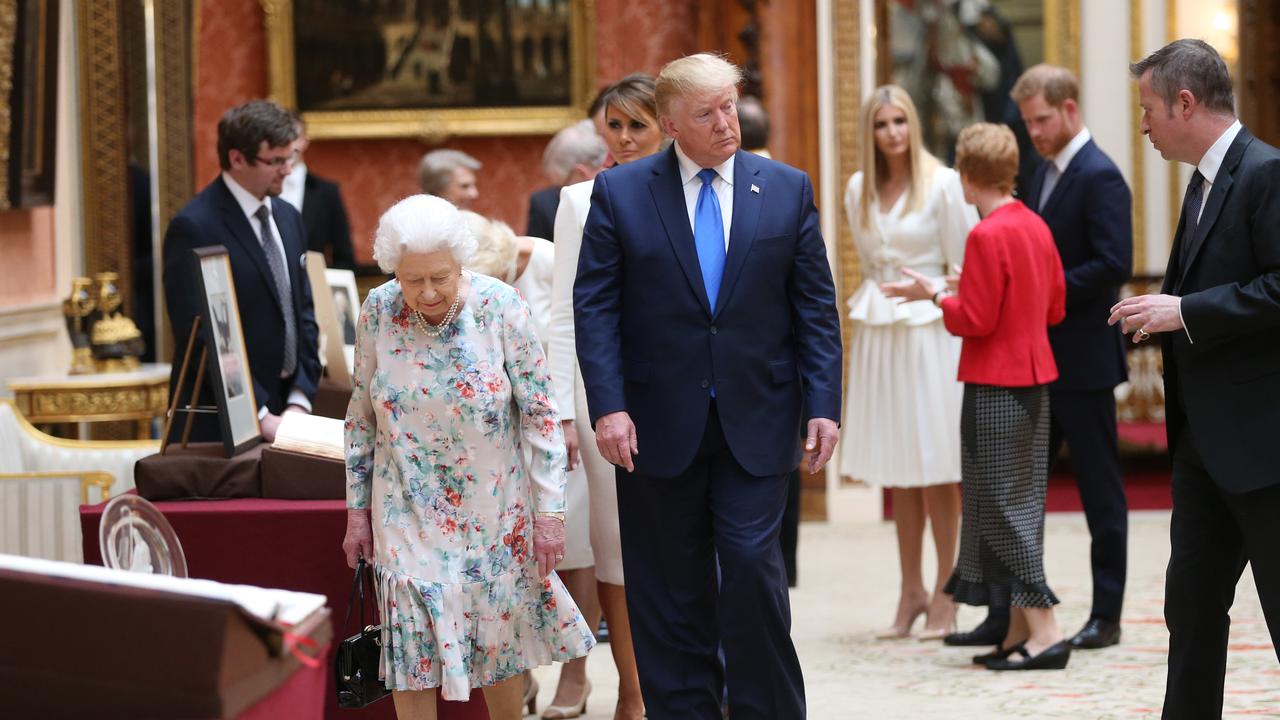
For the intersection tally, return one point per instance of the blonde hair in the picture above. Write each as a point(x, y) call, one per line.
point(496, 247)
point(920, 163)
point(1058, 85)
point(694, 74)
point(987, 154)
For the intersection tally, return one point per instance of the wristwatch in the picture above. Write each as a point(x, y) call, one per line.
point(546, 513)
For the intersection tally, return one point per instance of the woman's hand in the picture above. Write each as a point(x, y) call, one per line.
point(570, 442)
point(358, 542)
point(918, 287)
point(548, 543)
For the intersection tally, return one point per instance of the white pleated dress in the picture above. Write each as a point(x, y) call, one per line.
point(902, 409)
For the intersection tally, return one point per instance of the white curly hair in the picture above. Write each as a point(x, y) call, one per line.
point(421, 224)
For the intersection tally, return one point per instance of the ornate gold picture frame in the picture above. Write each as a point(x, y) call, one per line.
point(428, 47)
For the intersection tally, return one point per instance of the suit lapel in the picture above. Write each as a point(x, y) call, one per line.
point(238, 227)
point(1217, 198)
point(1066, 179)
point(1037, 187)
point(746, 214)
point(668, 195)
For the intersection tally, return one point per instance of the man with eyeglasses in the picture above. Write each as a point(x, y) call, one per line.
point(266, 242)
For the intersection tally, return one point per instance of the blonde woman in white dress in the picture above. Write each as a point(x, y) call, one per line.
point(631, 132)
point(528, 264)
point(902, 413)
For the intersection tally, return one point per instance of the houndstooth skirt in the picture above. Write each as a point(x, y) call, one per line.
point(1004, 438)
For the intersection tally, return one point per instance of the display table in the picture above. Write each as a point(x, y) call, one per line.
point(139, 396)
point(289, 544)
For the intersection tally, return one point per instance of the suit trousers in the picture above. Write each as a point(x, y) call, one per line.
point(1086, 421)
point(674, 530)
point(1212, 535)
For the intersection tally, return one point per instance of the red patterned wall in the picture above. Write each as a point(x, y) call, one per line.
point(231, 68)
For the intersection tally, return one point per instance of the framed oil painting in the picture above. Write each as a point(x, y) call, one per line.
point(228, 370)
point(958, 60)
point(431, 68)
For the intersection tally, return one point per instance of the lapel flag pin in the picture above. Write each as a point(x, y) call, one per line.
point(755, 189)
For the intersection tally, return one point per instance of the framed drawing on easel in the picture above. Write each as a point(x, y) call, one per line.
point(228, 363)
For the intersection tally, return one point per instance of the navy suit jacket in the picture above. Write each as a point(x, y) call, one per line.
point(325, 217)
point(1224, 386)
point(1089, 212)
point(543, 205)
point(649, 344)
point(214, 218)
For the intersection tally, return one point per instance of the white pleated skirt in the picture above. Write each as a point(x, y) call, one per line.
point(902, 409)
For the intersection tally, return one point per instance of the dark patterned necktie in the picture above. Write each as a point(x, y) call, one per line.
point(1191, 209)
point(275, 258)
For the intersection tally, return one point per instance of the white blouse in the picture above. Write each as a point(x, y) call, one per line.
point(562, 353)
point(929, 241)
point(535, 285)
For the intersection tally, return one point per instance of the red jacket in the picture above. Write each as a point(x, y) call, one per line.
point(1012, 289)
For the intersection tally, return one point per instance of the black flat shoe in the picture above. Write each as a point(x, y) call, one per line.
point(1096, 634)
point(1053, 657)
point(988, 632)
point(1000, 653)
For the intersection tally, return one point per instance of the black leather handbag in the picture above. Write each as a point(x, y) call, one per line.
point(355, 664)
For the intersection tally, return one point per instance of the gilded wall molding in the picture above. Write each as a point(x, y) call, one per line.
point(1137, 155)
point(175, 174)
point(8, 34)
point(1062, 34)
point(848, 93)
point(107, 240)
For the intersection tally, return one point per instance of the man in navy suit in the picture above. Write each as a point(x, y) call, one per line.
point(1218, 314)
point(265, 240)
point(1084, 200)
point(706, 325)
point(324, 215)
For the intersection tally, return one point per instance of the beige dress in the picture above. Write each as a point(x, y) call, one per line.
point(566, 382)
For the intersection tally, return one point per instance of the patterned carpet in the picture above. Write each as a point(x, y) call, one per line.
point(849, 576)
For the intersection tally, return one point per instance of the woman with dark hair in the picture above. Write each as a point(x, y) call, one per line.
point(1011, 291)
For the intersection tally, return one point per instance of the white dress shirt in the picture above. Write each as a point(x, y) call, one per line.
point(1060, 163)
point(249, 205)
point(722, 185)
point(294, 185)
point(1211, 163)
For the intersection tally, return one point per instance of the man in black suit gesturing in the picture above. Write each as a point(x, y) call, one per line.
point(1219, 315)
point(1084, 200)
point(266, 244)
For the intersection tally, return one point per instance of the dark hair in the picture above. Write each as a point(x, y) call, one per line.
point(245, 126)
point(633, 95)
point(753, 121)
point(1191, 65)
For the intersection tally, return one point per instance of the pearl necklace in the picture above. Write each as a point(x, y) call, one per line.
point(438, 330)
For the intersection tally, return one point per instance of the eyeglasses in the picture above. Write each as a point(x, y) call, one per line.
point(277, 162)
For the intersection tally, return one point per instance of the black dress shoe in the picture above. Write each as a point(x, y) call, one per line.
point(1000, 653)
point(988, 632)
point(1053, 657)
point(1097, 633)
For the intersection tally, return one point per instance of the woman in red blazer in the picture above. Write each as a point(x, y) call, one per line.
point(1011, 291)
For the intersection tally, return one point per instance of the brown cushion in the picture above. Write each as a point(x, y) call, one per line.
point(287, 475)
point(199, 471)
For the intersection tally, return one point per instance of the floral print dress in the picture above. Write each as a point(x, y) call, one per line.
point(434, 433)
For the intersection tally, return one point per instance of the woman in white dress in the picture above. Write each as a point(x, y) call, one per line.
point(527, 264)
point(631, 132)
point(902, 417)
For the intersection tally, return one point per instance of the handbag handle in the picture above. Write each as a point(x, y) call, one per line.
point(357, 585)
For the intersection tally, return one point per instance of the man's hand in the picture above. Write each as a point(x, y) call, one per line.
point(821, 442)
point(270, 424)
point(570, 442)
point(616, 439)
point(1143, 315)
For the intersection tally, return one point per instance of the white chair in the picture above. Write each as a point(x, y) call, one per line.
point(44, 480)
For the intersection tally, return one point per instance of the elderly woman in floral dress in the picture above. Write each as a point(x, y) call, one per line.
point(450, 383)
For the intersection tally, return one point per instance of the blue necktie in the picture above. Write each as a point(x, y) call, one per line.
point(708, 236)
